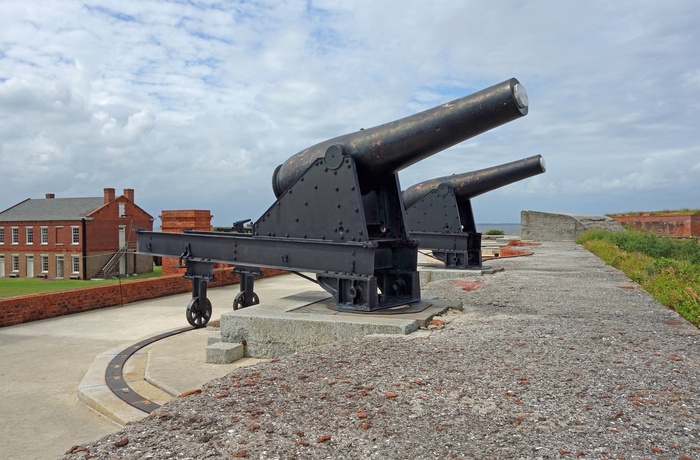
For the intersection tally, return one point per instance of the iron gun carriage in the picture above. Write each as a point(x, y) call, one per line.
point(439, 212)
point(339, 211)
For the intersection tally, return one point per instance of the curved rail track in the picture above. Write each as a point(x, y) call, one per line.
point(115, 379)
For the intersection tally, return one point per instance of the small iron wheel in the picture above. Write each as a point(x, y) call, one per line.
point(240, 301)
point(198, 316)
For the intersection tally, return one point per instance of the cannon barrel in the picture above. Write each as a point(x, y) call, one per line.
point(388, 148)
point(471, 184)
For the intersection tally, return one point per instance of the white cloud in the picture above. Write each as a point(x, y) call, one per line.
point(161, 95)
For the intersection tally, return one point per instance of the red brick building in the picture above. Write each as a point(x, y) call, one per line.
point(79, 238)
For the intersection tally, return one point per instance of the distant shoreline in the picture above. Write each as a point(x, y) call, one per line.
point(508, 229)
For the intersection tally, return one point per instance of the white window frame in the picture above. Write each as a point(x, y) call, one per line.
point(15, 263)
point(15, 235)
point(2, 265)
point(44, 263)
point(29, 235)
point(75, 263)
point(44, 235)
point(122, 209)
point(75, 235)
point(2, 235)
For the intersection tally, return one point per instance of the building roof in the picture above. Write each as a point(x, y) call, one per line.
point(51, 209)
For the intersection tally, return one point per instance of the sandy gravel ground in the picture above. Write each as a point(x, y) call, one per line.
point(559, 356)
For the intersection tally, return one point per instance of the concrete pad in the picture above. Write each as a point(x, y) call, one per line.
point(431, 269)
point(287, 325)
point(434, 272)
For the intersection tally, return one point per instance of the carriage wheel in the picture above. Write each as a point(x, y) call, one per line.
point(239, 301)
point(198, 316)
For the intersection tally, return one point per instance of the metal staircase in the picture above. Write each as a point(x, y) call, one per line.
point(113, 262)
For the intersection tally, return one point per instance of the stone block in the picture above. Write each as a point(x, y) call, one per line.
point(224, 353)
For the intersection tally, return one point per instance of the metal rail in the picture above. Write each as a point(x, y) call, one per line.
point(115, 379)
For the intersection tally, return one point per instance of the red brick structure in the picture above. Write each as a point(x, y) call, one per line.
point(22, 309)
point(683, 225)
point(79, 238)
point(176, 222)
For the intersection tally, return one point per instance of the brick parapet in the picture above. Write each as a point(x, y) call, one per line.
point(22, 309)
point(683, 225)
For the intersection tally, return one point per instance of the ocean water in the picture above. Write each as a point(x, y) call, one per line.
point(508, 229)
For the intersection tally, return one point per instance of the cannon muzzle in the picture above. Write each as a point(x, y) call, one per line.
point(471, 184)
point(391, 147)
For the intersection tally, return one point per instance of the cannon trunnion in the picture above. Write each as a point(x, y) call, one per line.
point(339, 211)
point(439, 211)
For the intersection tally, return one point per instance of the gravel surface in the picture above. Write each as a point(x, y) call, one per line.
point(559, 356)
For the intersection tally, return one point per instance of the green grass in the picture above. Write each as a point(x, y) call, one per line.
point(667, 268)
point(10, 287)
point(494, 232)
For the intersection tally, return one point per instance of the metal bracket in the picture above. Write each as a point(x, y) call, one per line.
point(459, 259)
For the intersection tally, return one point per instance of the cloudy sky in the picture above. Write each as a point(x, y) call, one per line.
point(194, 103)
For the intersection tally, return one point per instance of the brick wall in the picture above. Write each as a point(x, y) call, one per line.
point(675, 225)
point(22, 309)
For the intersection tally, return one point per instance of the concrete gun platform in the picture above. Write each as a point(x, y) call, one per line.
point(285, 324)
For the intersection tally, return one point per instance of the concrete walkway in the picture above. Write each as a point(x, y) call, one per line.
point(44, 363)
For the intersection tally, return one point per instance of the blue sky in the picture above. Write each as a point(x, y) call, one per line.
point(194, 103)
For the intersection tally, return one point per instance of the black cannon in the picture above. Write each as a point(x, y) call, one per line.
point(439, 211)
point(339, 210)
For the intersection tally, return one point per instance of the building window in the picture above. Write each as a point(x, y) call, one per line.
point(122, 209)
point(44, 235)
point(2, 265)
point(15, 235)
point(44, 264)
point(75, 263)
point(2, 235)
point(59, 240)
point(75, 235)
point(15, 263)
point(30, 235)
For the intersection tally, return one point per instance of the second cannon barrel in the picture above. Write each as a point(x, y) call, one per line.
point(471, 184)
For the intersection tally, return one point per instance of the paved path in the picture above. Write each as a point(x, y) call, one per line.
point(42, 364)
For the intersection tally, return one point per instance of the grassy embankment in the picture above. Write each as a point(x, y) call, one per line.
point(10, 287)
point(667, 268)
